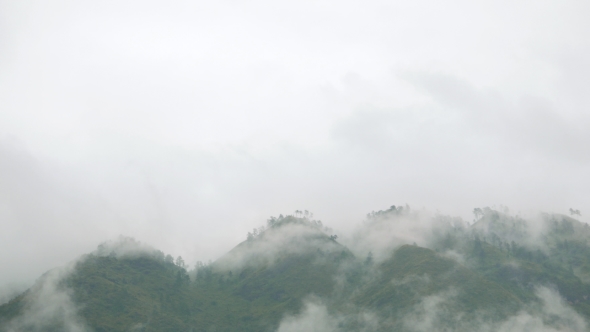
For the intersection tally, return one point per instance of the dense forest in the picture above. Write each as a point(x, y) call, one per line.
point(401, 270)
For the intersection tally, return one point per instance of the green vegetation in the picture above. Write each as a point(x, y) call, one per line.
point(125, 287)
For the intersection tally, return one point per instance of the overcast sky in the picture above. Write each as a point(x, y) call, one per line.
point(184, 124)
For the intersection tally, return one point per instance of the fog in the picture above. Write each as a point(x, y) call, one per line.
point(430, 315)
point(186, 124)
point(385, 233)
point(266, 246)
point(49, 303)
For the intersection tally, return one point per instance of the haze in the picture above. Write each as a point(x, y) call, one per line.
point(185, 124)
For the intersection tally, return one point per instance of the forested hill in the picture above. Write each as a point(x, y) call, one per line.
point(501, 273)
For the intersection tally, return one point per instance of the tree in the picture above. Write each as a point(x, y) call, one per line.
point(271, 222)
point(369, 259)
point(180, 262)
point(169, 259)
point(478, 213)
point(575, 212)
point(478, 247)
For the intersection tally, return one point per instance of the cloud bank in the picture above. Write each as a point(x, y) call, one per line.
point(550, 314)
point(184, 124)
point(48, 305)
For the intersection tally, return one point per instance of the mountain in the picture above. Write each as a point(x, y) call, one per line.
point(500, 273)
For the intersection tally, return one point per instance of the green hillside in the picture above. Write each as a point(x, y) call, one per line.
point(124, 286)
point(414, 272)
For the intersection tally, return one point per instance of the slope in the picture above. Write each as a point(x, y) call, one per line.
point(252, 287)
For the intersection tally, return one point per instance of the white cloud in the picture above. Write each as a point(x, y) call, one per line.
point(185, 124)
point(314, 318)
point(551, 315)
point(48, 305)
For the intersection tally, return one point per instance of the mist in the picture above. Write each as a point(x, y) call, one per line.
point(385, 243)
point(184, 125)
point(430, 315)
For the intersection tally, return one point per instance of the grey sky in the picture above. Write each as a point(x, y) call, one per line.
point(185, 124)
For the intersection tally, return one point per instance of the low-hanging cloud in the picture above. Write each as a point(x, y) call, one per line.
point(48, 305)
point(295, 236)
point(184, 124)
point(386, 230)
point(550, 315)
point(432, 313)
point(315, 316)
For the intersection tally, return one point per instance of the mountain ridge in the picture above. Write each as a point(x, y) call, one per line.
point(464, 276)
